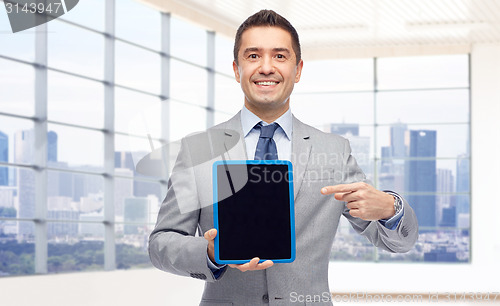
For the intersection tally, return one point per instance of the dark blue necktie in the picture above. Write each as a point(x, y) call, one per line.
point(266, 147)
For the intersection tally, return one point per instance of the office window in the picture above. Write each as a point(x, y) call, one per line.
point(450, 71)
point(138, 23)
point(88, 13)
point(334, 76)
point(77, 127)
point(16, 140)
point(74, 49)
point(137, 113)
point(17, 258)
point(75, 100)
point(408, 123)
point(16, 86)
point(136, 210)
point(74, 197)
point(137, 68)
point(224, 55)
point(409, 130)
point(68, 147)
point(335, 107)
point(20, 47)
point(188, 42)
point(181, 126)
point(74, 246)
point(407, 106)
point(183, 79)
point(228, 95)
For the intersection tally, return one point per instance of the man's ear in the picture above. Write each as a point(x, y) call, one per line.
point(236, 71)
point(299, 71)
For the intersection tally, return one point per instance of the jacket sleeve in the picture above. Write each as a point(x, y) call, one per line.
point(173, 246)
point(402, 238)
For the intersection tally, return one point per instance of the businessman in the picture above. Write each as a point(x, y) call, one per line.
point(328, 184)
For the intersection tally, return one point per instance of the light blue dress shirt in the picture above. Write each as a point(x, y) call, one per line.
point(282, 136)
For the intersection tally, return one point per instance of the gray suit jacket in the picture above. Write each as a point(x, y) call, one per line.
point(319, 159)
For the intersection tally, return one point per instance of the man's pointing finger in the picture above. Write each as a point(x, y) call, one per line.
point(342, 188)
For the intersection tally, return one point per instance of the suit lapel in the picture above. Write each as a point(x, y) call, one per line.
point(234, 130)
point(301, 151)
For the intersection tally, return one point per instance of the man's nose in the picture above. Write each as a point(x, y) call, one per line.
point(266, 66)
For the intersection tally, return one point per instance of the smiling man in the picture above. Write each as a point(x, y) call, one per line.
point(267, 68)
point(267, 64)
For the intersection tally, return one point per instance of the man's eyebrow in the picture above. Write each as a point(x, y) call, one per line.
point(251, 49)
point(281, 50)
point(255, 49)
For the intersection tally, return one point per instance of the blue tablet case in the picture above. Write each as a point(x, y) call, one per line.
point(253, 211)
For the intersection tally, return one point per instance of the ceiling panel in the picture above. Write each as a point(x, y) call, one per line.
point(356, 27)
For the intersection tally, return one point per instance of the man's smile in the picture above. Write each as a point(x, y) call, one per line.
point(266, 83)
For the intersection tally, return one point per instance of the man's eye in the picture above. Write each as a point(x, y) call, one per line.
point(252, 56)
point(280, 56)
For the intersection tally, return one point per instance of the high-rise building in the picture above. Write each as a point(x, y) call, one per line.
point(360, 145)
point(90, 226)
point(398, 143)
point(124, 165)
point(124, 188)
point(124, 160)
point(24, 153)
point(344, 128)
point(51, 146)
point(386, 176)
point(448, 217)
point(445, 201)
point(463, 184)
point(62, 208)
point(399, 151)
point(4, 157)
point(421, 176)
point(136, 210)
point(84, 184)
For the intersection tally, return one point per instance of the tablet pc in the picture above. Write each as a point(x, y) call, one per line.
point(253, 211)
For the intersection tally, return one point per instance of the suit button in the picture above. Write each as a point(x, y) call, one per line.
point(198, 275)
point(265, 298)
point(404, 231)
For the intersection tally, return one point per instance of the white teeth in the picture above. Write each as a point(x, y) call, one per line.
point(267, 83)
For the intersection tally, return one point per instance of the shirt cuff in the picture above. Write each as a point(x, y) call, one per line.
point(215, 268)
point(392, 222)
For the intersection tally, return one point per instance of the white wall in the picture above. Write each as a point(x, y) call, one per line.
point(121, 288)
point(151, 287)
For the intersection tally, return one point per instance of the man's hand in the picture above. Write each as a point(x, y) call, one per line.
point(253, 265)
point(210, 236)
point(249, 266)
point(363, 200)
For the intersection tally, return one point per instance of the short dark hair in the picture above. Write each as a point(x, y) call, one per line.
point(267, 18)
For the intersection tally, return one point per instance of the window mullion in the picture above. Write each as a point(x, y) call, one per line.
point(109, 138)
point(40, 159)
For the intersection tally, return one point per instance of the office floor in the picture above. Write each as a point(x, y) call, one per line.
point(153, 287)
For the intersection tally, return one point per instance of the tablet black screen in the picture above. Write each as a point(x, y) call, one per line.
point(255, 221)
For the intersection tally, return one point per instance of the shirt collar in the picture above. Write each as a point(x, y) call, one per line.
point(249, 120)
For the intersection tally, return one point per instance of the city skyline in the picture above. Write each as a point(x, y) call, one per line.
point(389, 165)
point(407, 165)
point(71, 197)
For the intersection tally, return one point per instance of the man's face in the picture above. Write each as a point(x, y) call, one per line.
point(267, 69)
